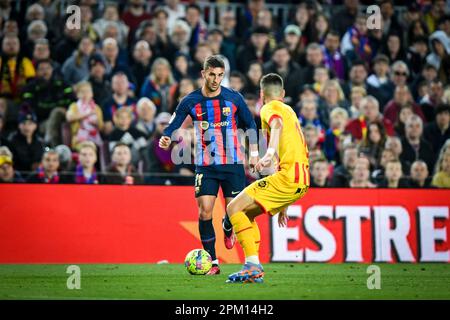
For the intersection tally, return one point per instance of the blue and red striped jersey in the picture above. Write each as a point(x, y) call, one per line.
point(216, 121)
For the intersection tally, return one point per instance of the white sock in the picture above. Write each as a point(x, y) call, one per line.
point(252, 259)
point(215, 261)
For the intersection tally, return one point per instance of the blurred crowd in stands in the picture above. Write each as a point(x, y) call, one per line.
point(88, 105)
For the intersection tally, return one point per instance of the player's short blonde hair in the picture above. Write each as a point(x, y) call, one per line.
point(272, 85)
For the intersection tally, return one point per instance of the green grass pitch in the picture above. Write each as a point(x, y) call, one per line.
point(299, 281)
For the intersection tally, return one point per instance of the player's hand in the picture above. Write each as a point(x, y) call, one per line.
point(164, 142)
point(264, 162)
point(283, 218)
point(252, 162)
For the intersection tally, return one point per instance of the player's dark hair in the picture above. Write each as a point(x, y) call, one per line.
point(271, 79)
point(214, 61)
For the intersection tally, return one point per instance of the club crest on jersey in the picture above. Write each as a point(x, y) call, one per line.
point(263, 184)
point(226, 111)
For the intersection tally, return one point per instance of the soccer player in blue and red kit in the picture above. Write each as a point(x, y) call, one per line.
point(217, 113)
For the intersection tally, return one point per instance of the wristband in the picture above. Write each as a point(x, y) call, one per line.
point(254, 154)
point(271, 151)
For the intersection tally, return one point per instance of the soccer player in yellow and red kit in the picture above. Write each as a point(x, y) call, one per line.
point(273, 194)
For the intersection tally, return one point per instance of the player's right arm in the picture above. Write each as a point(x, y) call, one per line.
point(181, 112)
point(276, 125)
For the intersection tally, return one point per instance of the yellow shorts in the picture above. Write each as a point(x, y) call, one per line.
point(274, 193)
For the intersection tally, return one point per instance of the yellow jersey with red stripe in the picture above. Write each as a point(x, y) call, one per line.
point(292, 153)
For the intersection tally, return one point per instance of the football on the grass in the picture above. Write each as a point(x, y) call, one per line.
point(198, 262)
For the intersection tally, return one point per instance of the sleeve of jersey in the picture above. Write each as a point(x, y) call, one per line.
point(270, 112)
point(246, 116)
point(178, 117)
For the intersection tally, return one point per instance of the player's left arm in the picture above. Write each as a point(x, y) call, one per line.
point(276, 126)
point(246, 116)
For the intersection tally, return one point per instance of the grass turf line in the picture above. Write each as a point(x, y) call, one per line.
point(297, 281)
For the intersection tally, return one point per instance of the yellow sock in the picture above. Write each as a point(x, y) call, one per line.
point(244, 232)
point(257, 235)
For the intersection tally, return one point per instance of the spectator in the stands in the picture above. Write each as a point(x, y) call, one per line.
point(394, 176)
point(201, 52)
point(406, 111)
point(198, 25)
point(215, 40)
point(386, 156)
point(331, 97)
point(184, 87)
point(393, 48)
point(312, 137)
point(66, 156)
point(15, 69)
point(355, 42)
point(76, 68)
point(101, 86)
point(179, 44)
point(433, 97)
point(436, 11)
point(356, 96)
point(175, 10)
point(314, 59)
point(85, 172)
point(257, 49)
point(181, 67)
point(114, 62)
point(121, 171)
point(440, 54)
point(320, 28)
point(265, 19)
point(360, 175)
point(438, 131)
point(110, 16)
point(119, 99)
point(282, 64)
point(342, 172)
point(64, 48)
point(36, 30)
point(441, 177)
point(402, 96)
point(417, 53)
point(47, 171)
point(27, 146)
point(333, 58)
point(146, 111)
point(160, 23)
point(85, 117)
point(399, 73)
point(7, 172)
point(124, 131)
point(321, 76)
point(345, 17)
point(291, 38)
point(309, 115)
point(414, 146)
point(41, 51)
point(395, 144)
point(338, 122)
point(320, 172)
point(248, 17)
point(357, 78)
point(159, 160)
point(373, 143)
point(379, 84)
point(254, 75)
point(49, 96)
point(158, 85)
point(419, 175)
point(142, 58)
point(237, 81)
point(133, 16)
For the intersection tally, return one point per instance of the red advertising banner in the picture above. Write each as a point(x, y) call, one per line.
point(148, 224)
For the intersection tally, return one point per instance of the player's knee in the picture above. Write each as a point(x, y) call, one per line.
point(205, 214)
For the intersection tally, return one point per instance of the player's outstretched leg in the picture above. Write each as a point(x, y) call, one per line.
point(238, 210)
point(229, 236)
point(206, 229)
